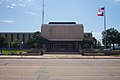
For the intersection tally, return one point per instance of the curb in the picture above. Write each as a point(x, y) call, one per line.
point(49, 57)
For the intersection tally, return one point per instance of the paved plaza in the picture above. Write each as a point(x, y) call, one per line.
point(59, 69)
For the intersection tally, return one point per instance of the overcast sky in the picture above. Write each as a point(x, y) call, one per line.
point(25, 15)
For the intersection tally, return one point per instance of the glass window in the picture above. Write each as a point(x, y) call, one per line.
point(12, 37)
point(17, 36)
point(23, 37)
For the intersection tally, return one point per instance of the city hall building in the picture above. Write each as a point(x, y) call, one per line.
point(63, 36)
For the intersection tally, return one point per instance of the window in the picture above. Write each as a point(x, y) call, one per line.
point(12, 37)
point(6, 35)
point(17, 36)
point(29, 36)
point(23, 38)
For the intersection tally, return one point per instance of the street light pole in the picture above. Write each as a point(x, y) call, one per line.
point(21, 44)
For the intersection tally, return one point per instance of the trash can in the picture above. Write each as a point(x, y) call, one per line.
point(42, 52)
point(20, 53)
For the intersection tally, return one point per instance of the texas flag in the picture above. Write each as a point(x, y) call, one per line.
point(101, 11)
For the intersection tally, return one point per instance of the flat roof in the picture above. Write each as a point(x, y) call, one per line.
point(62, 23)
point(16, 32)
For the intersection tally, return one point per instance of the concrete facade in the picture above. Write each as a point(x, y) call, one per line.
point(63, 36)
point(20, 36)
point(63, 32)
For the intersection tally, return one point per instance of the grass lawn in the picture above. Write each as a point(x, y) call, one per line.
point(9, 52)
point(116, 54)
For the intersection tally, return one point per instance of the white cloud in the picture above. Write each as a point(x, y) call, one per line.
point(17, 3)
point(7, 21)
point(22, 5)
point(26, 1)
point(14, 5)
point(30, 13)
point(11, 7)
point(118, 1)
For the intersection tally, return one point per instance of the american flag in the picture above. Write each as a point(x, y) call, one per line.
point(101, 11)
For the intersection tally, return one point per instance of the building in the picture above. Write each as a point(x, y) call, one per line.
point(88, 35)
point(63, 36)
point(21, 37)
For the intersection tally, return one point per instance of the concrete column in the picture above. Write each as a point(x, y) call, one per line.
point(44, 46)
point(79, 46)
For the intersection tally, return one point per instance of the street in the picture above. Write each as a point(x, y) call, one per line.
point(59, 69)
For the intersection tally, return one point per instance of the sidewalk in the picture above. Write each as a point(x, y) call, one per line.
point(58, 56)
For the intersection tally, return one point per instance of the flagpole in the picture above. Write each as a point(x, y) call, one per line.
point(43, 5)
point(105, 27)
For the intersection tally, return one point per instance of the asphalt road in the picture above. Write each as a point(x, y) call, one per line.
point(59, 69)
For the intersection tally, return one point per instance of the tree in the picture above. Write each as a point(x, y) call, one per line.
point(89, 42)
point(94, 42)
point(98, 44)
point(3, 42)
point(111, 37)
point(15, 43)
point(31, 42)
point(118, 39)
point(37, 40)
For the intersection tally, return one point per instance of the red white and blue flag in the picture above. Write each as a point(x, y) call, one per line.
point(101, 11)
